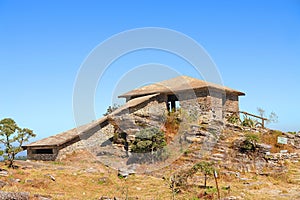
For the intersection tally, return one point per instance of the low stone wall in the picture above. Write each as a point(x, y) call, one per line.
point(46, 157)
point(293, 139)
point(277, 157)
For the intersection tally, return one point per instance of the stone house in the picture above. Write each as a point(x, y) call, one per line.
point(145, 107)
point(191, 94)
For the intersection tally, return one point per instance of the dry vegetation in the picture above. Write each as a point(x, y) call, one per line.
point(171, 125)
point(271, 138)
point(80, 177)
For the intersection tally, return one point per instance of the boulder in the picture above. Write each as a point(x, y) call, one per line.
point(264, 147)
point(105, 198)
point(50, 176)
point(41, 197)
point(218, 155)
point(14, 195)
point(3, 172)
point(125, 172)
point(289, 135)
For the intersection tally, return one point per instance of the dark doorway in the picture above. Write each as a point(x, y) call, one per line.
point(173, 103)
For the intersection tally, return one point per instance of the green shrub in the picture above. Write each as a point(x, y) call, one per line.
point(234, 119)
point(248, 122)
point(249, 144)
point(149, 145)
point(148, 140)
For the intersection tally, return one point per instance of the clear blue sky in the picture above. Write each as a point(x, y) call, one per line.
point(255, 45)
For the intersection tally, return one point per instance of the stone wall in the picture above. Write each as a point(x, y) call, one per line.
point(231, 102)
point(194, 104)
point(203, 103)
point(46, 157)
point(293, 139)
point(153, 111)
point(216, 101)
point(94, 141)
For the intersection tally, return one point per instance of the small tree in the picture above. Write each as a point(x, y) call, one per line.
point(181, 178)
point(13, 137)
point(261, 112)
point(206, 168)
point(273, 118)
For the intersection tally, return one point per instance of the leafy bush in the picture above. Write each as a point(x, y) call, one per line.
point(148, 140)
point(249, 144)
point(234, 119)
point(248, 122)
point(149, 145)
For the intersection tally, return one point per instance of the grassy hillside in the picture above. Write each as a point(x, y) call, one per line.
point(80, 177)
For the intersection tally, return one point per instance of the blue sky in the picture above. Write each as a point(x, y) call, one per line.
point(255, 45)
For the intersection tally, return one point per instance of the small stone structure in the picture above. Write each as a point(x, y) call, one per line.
point(192, 95)
point(145, 107)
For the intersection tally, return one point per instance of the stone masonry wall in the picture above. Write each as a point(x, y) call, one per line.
point(45, 157)
point(202, 103)
point(90, 143)
point(216, 101)
point(232, 102)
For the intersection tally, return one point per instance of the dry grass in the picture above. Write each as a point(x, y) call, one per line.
point(271, 139)
point(75, 183)
point(81, 177)
point(72, 181)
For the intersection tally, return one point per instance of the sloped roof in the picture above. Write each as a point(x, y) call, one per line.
point(64, 137)
point(134, 102)
point(180, 83)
